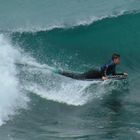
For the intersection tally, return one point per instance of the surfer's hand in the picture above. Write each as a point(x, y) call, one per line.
point(104, 78)
point(126, 74)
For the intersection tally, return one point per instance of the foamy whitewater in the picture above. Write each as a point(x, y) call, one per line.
point(10, 95)
point(59, 88)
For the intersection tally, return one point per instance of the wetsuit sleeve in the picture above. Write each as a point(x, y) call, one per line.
point(108, 68)
point(105, 70)
point(105, 74)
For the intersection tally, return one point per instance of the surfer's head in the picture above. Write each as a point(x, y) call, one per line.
point(116, 58)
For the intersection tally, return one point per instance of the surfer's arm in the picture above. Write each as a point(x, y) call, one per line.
point(105, 73)
point(109, 65)
point(104, 76)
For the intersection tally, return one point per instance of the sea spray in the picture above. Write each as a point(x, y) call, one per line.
point(10, 95)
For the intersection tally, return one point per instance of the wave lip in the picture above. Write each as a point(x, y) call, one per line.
point(62, 25)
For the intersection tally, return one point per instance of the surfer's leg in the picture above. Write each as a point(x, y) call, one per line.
point(72, 75)
point(93, 74)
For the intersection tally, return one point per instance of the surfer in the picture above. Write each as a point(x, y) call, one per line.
point(102, 73)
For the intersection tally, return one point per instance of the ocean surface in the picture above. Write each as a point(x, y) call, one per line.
point(38, 37)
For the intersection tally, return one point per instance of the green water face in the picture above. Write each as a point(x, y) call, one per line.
point(88, 46)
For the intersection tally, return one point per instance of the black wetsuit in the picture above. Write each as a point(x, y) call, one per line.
point(105, 70)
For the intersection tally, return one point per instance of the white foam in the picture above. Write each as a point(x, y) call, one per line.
point(93, 19)
point(9, 85)
point(27, 60)
point(52, 86)
point(58, 88)
point(72, 92)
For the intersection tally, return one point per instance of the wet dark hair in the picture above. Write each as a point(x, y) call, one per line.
point(115, 55)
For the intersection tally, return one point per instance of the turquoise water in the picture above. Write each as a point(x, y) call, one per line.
point(39, 37)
